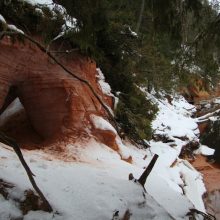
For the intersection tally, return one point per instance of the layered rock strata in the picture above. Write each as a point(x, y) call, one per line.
point(55, 104)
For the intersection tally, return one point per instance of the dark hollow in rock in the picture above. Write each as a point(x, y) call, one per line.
point(188, 149)
point(211, 138)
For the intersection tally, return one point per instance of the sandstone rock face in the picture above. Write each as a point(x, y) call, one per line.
point(199, 91)
point(56, 105)
point(211, 176)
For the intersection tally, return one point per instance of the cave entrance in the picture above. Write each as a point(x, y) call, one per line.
point(36, 112)
point(15, 123)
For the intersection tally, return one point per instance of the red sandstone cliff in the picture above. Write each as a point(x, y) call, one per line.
point(56, 106)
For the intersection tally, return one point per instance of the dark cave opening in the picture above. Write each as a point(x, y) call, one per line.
point(211, 138)
point(15, 122)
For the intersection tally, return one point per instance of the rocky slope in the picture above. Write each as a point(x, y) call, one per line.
point(209, 133)
point(82, 174)
point(66, 119)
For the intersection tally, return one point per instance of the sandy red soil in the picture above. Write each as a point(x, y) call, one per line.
point(211, 175)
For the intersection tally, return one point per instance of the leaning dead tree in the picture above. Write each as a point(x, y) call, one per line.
point(12, 143)
point(145, 174)
point(142, 179)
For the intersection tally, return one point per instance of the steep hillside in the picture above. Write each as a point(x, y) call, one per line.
point(88, 180)
point(93, 106)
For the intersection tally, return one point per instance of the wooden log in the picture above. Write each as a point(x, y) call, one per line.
point(145, 174)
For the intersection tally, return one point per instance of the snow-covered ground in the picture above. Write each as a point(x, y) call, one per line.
point(95, 185)
point(94, 188)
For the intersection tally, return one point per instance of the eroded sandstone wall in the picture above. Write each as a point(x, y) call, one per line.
point(56, 104)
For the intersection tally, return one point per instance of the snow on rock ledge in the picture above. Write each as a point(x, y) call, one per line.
point(104, 131)
point(102, 124)
point(11, 27)
point(105, 87)
point(109, 136)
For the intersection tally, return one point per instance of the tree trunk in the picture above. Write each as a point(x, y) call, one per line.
point(143, 177)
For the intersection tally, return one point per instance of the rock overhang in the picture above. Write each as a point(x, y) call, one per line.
point(55, 104)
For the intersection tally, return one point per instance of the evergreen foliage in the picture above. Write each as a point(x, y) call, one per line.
point(174, 40)
point(135, 114)
point(36, 20)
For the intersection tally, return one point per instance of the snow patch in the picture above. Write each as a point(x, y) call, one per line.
point(174, 119)
point(204, 150)
point(11, 27)
point(8, 210)
point(105, 87)
point(82, 191)
point(102, 124)
point(2, 19)
point(14, 28)
point(43, 2)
